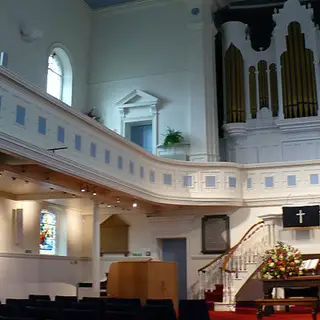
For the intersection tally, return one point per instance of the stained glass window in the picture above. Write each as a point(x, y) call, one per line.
point(48, 229)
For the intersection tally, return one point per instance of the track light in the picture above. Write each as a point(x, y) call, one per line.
point(94, 193)
point(83, 189)
point(134, 204)
point(118, 200)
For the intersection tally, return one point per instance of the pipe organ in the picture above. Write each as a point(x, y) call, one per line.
point(275, 86)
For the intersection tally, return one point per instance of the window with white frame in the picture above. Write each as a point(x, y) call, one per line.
point(55, 76)
point(60, 76)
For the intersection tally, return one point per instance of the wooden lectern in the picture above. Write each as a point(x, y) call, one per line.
point(144, 280)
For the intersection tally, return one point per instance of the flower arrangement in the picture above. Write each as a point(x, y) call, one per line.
point(281, 262)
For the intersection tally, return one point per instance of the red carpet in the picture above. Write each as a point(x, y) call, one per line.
point(249, 314)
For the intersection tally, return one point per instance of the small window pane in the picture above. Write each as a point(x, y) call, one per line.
point(291, 180)
point(42, 125)
point(268, 182)
point(107, 156)
point(152, 176)
point(61, 134)
point(167, 179)
point(314, 178)
point(78, 142)
point(232, 182)
point(20, 115)
point(187, 181)
point(210, 181)
point(120, 162)
point(93, 149)
point(131, 167)
point(141, 172)
point(249, 183)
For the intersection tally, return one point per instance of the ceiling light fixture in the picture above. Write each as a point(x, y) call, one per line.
point(134, 204)
point(83, 189)
point(94, 193)
point(118, 200)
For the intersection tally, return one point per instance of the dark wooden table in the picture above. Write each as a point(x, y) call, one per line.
point(292, 282)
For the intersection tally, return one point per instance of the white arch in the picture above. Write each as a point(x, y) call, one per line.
point(67, 78)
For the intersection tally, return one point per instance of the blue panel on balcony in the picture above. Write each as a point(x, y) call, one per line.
point(268, 182)
point(167, 179)
point(42, 125)
point(120, 162)
point(314, 178)
point(152, 176)
point(0, 103)
point(77, 142)
point(93, 150)
point(187, 181)
point(249, 183)
point(291, 180)
point(210, 181)
point(60, 134)
point(141, 172)
point(232, 182)
point(21, 115)
point(107, 156)
point(131, 167)
point(4, 59)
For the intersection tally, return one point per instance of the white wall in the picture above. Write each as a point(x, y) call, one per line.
point(22, 274)
point(141, 47)
point(65, 22)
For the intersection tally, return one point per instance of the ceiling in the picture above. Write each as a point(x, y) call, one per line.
point(99, 4)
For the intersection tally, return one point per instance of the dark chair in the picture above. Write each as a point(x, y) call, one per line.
point(15, 318)
point(69, 314)
point(39, 297)
point(44, 304)
point(193, 309)
point(42, 313)
point(19, 305)
point(160, 302)
point(66, 299)
point(8, 310)
point(121, 315)
point(156, 312)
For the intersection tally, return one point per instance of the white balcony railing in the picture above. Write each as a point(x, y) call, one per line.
point(31, 122)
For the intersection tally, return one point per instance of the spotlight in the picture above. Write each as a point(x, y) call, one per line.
point(134, 204)
point(83, 190)
point(94, 193)
point(109, 205)
point(118, 200)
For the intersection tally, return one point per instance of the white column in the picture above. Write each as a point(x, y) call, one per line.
point(96, 250)
point(204, 139)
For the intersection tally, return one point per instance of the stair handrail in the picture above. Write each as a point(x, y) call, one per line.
point(230, 250)
point(243, 239)
point(214, 261)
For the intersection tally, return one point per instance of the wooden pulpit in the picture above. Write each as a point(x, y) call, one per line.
point(144, 280)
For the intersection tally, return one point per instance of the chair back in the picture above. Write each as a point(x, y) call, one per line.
point(193, 309)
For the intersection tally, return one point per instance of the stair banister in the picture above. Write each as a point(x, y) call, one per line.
point(246, 237)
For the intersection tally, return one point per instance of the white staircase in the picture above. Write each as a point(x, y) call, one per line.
point(235, 267)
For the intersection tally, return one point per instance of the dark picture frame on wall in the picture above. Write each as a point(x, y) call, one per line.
point(215, 234)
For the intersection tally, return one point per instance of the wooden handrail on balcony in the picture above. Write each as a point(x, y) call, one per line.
point(230, 251)
point(234, 248)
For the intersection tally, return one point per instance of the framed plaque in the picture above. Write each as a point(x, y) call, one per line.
point(215, 234)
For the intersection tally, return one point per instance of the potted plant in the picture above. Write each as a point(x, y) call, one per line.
point(172, 137)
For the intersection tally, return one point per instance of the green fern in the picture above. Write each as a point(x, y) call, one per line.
point(172, 137)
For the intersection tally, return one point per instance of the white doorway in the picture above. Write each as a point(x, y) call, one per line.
point(140, 133)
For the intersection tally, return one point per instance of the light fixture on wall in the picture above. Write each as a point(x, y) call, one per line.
point(94, 193)
point(84, 189)
point(118, 200)
point(134, 204)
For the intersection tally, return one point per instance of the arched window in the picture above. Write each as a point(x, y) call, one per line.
point(55, 76)
point(48, 232)
point(60, 76)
